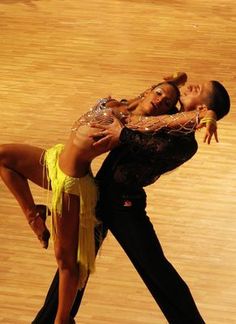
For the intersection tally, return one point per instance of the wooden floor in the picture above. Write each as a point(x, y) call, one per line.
point(56, 58)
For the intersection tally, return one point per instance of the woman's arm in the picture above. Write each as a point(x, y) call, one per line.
point(184, 122)
point(180, 122)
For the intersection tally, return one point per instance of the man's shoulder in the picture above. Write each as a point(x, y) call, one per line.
point(184, 144)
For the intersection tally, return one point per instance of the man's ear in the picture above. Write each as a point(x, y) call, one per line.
point(201, 107)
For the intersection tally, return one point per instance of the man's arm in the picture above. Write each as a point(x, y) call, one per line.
point(179, 123)
point(147, 144)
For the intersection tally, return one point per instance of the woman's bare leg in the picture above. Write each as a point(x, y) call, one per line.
point(66, 245)
point(19, 162)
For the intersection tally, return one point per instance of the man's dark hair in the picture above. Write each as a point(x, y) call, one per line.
point(219, 100)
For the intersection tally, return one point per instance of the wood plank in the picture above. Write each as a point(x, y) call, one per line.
point(57, 58)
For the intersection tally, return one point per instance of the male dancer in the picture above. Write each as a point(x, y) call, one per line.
point(139, 161)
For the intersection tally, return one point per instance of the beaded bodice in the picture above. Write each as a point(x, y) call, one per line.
point(99, 114)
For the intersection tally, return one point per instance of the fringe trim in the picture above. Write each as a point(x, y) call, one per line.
point(86, 189)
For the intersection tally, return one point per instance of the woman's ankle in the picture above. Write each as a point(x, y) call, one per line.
point(30, 213)
point(36, 217)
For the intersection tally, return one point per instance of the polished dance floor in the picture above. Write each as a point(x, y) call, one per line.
point(56, 58)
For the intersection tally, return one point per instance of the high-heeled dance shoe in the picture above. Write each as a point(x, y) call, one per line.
point(37, 223)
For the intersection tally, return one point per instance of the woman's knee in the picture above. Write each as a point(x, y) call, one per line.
point(65, 259)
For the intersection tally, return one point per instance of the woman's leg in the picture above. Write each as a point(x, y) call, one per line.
point(66, 245)
point(19, 162)
point(47, 313)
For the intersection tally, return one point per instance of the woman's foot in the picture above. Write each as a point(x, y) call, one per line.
point(37, 220)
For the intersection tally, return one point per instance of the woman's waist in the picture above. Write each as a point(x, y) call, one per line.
point(80, 148)
point(73, 162)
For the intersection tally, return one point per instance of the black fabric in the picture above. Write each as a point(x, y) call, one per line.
point(132, 228)
point(122, 209)
point(143, 158)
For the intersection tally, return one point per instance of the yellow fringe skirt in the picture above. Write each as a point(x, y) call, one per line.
point(86, 189)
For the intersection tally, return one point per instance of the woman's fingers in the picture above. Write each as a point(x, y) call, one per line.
point(216, 136)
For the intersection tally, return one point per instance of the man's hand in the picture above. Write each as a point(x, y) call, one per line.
point(107, 135)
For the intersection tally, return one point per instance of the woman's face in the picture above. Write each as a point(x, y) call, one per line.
point(159, 100)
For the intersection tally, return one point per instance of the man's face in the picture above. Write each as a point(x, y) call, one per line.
point(194, 95)
point(159, 100)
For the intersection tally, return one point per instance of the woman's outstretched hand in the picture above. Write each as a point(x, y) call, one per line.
point(209, 121)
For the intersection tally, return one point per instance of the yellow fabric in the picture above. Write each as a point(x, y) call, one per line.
point(86, 189)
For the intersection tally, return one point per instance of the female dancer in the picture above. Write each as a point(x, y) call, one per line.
point(74, 193)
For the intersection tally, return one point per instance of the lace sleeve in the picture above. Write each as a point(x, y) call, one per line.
point(145, 143)
point(151, 155)
point(184, 123)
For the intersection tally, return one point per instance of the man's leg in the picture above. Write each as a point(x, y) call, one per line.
point(48, 311)
point(134, 231)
